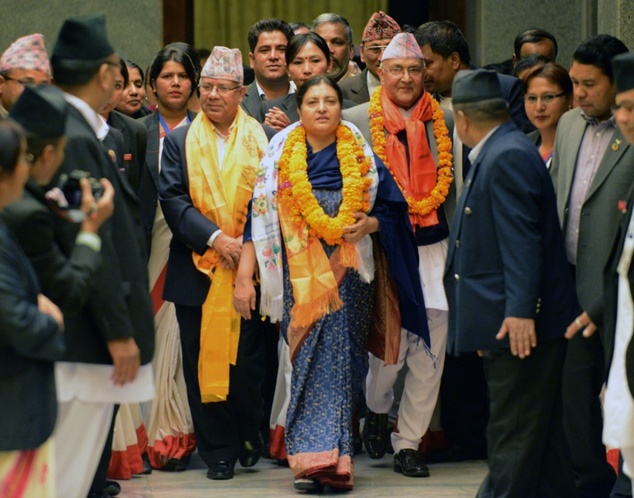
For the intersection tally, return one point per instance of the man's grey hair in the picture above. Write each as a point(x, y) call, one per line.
point(485, 110)
point(334, 18)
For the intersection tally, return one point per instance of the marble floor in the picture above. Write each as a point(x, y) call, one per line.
point(373, 478)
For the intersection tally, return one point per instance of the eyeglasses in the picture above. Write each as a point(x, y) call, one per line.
point(376, 50)
point(546, 98)
point(222, 90)
point(398, 71)
point(25, 81)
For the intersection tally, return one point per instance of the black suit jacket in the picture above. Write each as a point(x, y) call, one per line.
point(506, 255)
point(191, 230)
point(65, 280)
point(134, 145)
point(356, 88)
point(118, 305)
point(149, 178)
point(30, 342)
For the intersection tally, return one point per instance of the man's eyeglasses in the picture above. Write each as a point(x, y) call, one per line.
point(398, 71)
point(221, 89)
point(25, 81)
point(376, 50)
point(546, 98)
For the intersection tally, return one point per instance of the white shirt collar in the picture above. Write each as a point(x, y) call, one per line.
point(473, 155)
point(291, 88)
point(96, 122)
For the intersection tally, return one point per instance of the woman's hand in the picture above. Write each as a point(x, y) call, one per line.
point(276, 118)
point(365, 224)
point(244, 297)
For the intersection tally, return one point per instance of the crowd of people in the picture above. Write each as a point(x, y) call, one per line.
point(417, 257)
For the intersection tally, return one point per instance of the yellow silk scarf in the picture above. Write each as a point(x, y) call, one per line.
point(222, 195)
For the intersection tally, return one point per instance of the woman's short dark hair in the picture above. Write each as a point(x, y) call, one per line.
point(176, 55)
point(134, 65)
point(124, 72)
point(552, 72)
point(11, 136)
point(314, 81)
point(297, 42)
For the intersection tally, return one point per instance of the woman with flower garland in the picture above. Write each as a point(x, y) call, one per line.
point(320, 193)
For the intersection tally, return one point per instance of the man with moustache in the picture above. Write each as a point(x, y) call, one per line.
point(377, 34)
point(337, 32)
point(208, 173)
point(592, 170)
point(24, 62)
point(268, 39)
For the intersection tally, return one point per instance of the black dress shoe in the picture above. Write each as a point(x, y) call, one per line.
point(220, 471)
point(112, 488)
point(410, 463)
point(375, 434)
point(250, 452)
point(174, 465)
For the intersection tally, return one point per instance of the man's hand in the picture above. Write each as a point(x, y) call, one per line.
point(276, 118)
point(521, 332)
point(364, 225)
point(126, 359)
point(229, 250)
point(48, 307)
point(244, 297)
point(582, 322)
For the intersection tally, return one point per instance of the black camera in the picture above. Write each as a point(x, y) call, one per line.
point(70, 187)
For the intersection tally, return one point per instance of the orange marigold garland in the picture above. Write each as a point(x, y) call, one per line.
point(443, 144)
point(296, 191)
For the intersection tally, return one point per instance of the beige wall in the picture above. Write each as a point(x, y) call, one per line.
point(134, 26)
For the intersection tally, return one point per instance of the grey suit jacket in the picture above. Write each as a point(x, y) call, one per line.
point(356, 88)
point(251, 101)
point(599, 214)
point(358, 115)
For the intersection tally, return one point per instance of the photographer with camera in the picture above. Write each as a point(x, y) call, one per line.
point(65, 280)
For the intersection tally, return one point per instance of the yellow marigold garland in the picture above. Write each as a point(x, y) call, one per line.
point(443, 144)
point(296, 191)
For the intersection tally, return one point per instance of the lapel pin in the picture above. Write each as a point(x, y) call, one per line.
point(622, 206)
point(615, 145)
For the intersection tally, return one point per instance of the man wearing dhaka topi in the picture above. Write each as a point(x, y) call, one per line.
point(409, 132)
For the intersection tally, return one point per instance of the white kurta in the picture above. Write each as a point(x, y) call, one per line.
point(618, 427)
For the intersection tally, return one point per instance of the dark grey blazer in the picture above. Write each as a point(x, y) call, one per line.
point(135, 145)
point(251, 101)
point(599, 214)
point(356, 88)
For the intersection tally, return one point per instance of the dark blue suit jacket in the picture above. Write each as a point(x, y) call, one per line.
point(506, 251)
point(30, 342)
point(191, 230)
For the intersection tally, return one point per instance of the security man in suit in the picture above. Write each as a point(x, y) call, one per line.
point(592, 169)
point(110, 342)
point(510, 294)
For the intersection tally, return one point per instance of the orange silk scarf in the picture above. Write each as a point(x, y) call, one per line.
point(418, 178)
